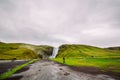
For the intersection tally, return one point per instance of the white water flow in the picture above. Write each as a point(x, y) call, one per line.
point(55, 52)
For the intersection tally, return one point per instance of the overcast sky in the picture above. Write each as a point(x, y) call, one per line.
point(55, 22)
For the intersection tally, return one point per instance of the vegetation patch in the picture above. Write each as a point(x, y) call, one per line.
point(89, 56)
point(12, 71)
point(86, 51)
point(21, 51)
point(105, 64)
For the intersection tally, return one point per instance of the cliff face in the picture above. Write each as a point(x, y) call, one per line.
point(44, 51)
point(24, 51)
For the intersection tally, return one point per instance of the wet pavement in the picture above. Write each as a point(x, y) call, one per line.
point(49, 70)
point(7, 65)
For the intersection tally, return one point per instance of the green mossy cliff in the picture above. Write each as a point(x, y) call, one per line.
point(22, 51)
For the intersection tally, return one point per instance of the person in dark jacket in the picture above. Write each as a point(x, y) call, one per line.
point(63, 59)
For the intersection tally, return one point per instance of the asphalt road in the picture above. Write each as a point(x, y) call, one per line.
point(7, 65)
point(49, 70)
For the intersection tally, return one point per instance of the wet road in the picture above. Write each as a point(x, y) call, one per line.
point(49, 70)
point(7, 65)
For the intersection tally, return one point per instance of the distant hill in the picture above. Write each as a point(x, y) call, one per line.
point(113, 48)
point(24, 51)
point(74, 50)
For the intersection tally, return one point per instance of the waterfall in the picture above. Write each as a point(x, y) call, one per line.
point(55, 52)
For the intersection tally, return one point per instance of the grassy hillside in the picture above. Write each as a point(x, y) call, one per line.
point(83, 55)
point(23, 51)
point(86, 51)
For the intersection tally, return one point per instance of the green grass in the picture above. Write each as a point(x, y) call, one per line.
point(85, 55)
point(107, 64)
point(86, 51)
point(12, 71)
point(23, 51)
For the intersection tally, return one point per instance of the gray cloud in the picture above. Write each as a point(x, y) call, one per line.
point(56, 22)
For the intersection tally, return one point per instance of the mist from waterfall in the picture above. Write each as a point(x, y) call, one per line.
point(55, 52)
